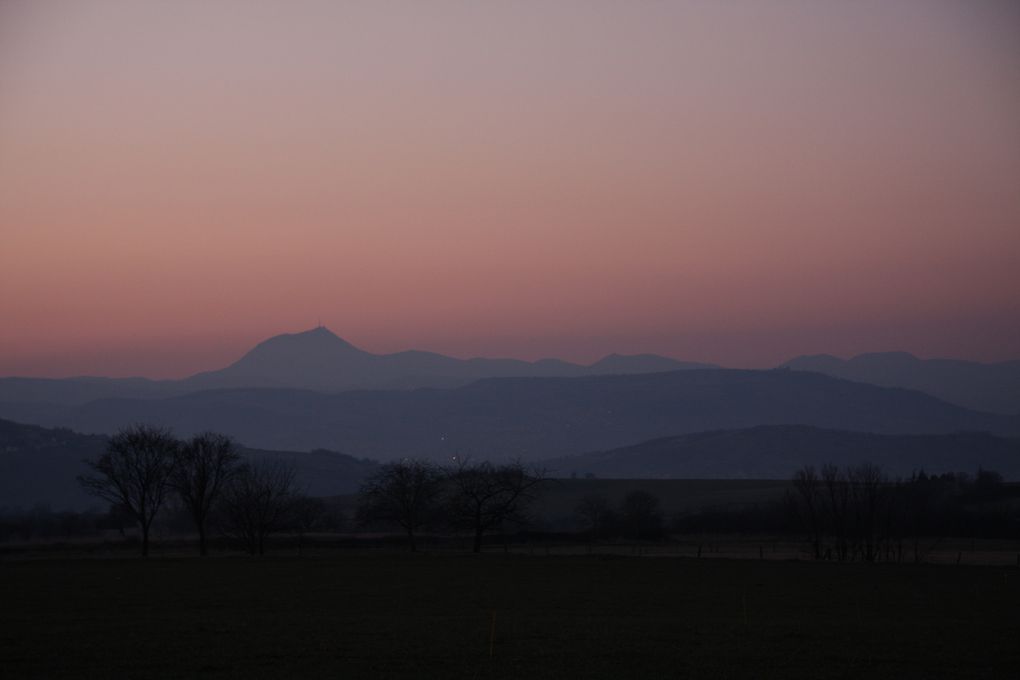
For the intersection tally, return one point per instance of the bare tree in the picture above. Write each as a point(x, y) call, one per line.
point(869, 494)
point(205, 465)
point(920, 500)
point(836, 500)
point(307, 514)
point(256, 501)
point(484, 496)
point(134, 473)
point(596, 514)
point(640, 515)
point(405, 493)
point(806, 502)
point(856, 506)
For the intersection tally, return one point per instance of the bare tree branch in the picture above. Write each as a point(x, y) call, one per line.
point(134, 473)
point(484, 496)
point(206, 464)
point(405, 494)
point(255, 502)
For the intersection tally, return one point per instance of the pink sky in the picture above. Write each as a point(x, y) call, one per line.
point(731, 182)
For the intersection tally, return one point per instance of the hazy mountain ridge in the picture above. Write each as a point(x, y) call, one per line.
point(991, 387)
point(79, 390)
point(531, 418)
point(775, 452)
point(320, 360)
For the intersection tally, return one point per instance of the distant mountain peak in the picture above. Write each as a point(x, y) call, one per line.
point(318, 331)
point(320, 337)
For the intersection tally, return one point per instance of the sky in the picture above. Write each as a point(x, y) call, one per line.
point(736, 182)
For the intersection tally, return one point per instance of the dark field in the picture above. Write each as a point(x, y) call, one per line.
point(405, 616)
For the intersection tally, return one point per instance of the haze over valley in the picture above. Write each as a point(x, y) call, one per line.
point(625, 416)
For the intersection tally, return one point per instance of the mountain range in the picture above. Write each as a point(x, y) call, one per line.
point(530, 418)
point(319, 360)
point(647, 415)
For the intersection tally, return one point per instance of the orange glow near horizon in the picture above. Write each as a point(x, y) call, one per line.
point(735, 183)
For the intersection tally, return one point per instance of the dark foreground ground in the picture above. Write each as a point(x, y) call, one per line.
point(504, 616)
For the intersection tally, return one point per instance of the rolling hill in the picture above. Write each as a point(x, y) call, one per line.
point(775, 452)
point(530, 418)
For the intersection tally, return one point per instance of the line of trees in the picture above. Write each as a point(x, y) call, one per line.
point(203, 484)
point(639, 516)
point(847, 512)
point(478, 498)
point(145, 467)
point(852, 513)
point(858, 513)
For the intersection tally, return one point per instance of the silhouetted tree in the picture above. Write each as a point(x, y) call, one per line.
point(836, 501)
point(255, 502)
point(205, 465)
point(987, 483)
point(134, 473)
point(857, 507)
point(640, 515)
point(596, 514)
point(919, 500)
point(405, 493)
point(868, 489)
point(483, 496)
point(307, 514)
point(806, 502)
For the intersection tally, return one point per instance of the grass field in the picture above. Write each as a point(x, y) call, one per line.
point(504, 616)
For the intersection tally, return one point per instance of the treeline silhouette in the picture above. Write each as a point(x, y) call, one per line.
point(203, 487)
point(638, 517)
point(858, 513)
point(475, 498)
point(145, 467)
point(844, 514)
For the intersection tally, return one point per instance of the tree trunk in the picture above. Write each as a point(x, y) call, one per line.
point(478, 541)
point(145, 540)
point(203, 550)
point(411, 541)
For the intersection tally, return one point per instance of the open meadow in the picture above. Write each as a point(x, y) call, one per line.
point(391, 615)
